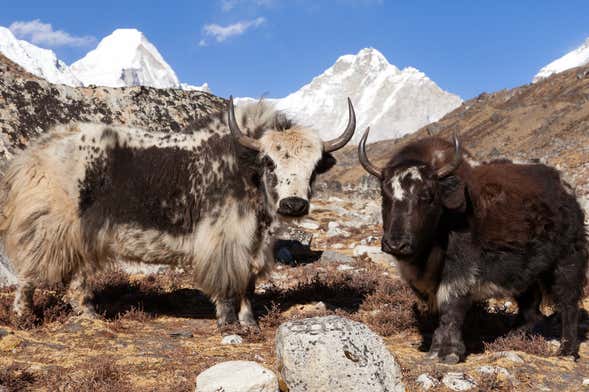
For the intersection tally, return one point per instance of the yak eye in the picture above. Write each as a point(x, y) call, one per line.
point(426, 196)
point(268, 163)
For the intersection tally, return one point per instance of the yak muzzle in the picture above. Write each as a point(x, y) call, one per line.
point(397, 247)
point(293, 206)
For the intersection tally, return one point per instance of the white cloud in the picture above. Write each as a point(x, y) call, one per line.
point(41, 33)
point(221, 33)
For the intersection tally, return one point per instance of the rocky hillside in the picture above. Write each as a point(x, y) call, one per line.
point(547, 120)
point(30, 105)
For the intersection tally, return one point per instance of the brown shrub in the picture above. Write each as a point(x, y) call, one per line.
point(15, 378)
point(101, 374)
point(519, 341)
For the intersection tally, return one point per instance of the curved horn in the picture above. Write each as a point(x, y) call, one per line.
point(345, 137)
point(430, 132)
point(242, 139)
point(366, 164)
point(450, 167)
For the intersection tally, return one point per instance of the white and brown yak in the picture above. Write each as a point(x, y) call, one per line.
point(84, 196)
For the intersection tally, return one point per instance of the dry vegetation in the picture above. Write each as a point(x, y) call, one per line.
point(158, 334)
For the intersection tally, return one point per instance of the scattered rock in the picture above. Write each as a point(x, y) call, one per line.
point(586, 382)
point(494, 370)
point(181, 334)
point(232, 339)
point(345, 267)
point(329, 256)
point(309, 224)
point(427, 382)
point(365, 249)
point(510, 356)
point(237, 376)
point(333, 229)
point(3, 332)
point(333, 353)
point(457, 381)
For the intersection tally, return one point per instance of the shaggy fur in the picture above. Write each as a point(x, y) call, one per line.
point(495, 229)
point(84, 196)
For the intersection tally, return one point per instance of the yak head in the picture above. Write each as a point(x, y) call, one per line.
point(288, 156)
point(415, 194)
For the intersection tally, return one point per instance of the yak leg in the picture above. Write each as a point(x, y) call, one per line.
point(23, 300)
point(528, 303)
point(226, 311)
point(447, 344)
point(80, 295)
point(246, 312)
point(569, 279)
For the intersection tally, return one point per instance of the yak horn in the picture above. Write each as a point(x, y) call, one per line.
point(336, 144)
point(366, 164)
point(246, 141)
point(450, 167)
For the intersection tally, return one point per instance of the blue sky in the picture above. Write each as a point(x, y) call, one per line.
point(251, 47)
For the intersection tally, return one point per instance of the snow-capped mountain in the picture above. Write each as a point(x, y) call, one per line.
point(38, 61)
point(575, 58)
point(188, 87)
point(125, 58)
point(391, 101)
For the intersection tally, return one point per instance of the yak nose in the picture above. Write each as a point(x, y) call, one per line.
point(293, 206)
point(400, 246)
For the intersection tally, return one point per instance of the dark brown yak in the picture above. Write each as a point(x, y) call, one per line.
point(464, 232)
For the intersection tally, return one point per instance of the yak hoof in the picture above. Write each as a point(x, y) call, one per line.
point(433, 355)
point(451, 359)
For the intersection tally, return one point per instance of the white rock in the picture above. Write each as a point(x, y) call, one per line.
point(493, 370)
point(365, 249)
point(232, 339)
point(426, 381)
point(586, 382)
point(457, 381)
point(333, 353)
point(345, 267)
point(309, 224)
point(237, 376)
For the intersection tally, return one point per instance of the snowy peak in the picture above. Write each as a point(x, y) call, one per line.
point(38, 61)
point(391, 101)
point(575, 58)
point(125, 58)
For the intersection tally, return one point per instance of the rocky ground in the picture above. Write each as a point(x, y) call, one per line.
point(157, 333)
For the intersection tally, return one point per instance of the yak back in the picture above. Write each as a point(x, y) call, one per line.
point(518, 205)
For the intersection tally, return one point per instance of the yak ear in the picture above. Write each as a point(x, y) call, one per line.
point(326, 162)
point(453, 193)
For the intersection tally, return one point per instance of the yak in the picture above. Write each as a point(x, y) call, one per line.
point(84, 196)
point(464, 232)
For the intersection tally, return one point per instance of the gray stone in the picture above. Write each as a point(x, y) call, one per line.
point(426, 382)
point(232, 339)
point(329, 256)
point(457, 381)
point(510, 356)
point(333, 353)
point(237, 376)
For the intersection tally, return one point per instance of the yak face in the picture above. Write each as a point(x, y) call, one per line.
point(410, 209)
point(290, 155)
point(291, 159)
point(414, 199)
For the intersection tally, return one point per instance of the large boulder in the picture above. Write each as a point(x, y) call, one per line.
point(237, 376)
point(333, 354)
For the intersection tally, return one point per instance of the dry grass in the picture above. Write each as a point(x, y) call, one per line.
point(99, 375)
